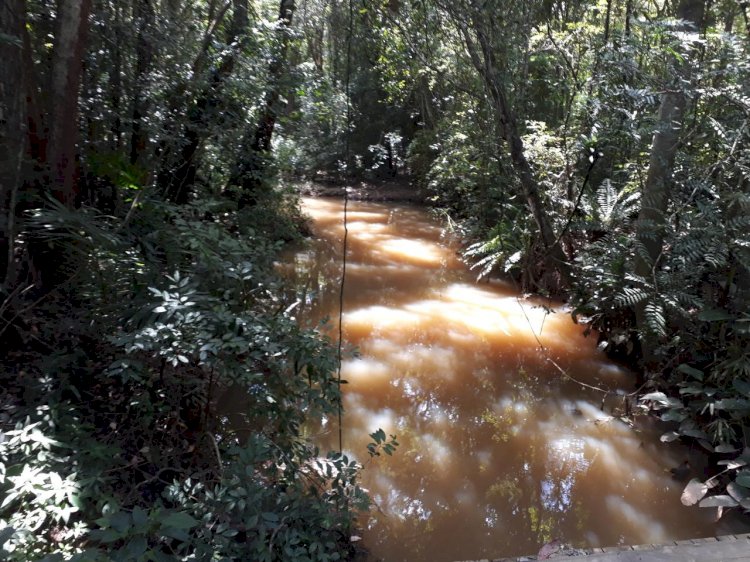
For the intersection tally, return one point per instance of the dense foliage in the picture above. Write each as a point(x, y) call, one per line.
point(599, 151)
point(596, 149)
point(155, 383)
point(117, 440)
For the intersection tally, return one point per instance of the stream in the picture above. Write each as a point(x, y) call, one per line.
point(500, 451)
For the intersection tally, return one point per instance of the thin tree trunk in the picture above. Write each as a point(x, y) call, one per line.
point(508, 128)
point(67, 69)
point(628, 13)
point(656, 190)
point(182, 173)
point(12, 134)
point(256, 145)
point(607, 20)
point(267, 122)
point(115, 80)
point(144, 54)
point(37, 131)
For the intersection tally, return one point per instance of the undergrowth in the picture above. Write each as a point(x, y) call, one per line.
point(113, 446)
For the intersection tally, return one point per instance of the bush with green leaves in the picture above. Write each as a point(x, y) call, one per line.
point(115, 447)
point(693, 304)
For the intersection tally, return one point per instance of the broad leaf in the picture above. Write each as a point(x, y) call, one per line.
point(738, 492)
point(179, 520)
point(693, 492)
point(719, 501)
point(732, 463)
point(688, 370)
point(714, 315)
point(656, 397)
point(669, 436)
point(742, 386)
point(743, 479)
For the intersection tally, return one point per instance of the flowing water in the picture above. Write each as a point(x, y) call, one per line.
point(499, 451)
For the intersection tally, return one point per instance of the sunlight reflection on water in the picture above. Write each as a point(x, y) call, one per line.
point(499, 453)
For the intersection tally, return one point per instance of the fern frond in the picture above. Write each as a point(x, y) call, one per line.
point(630, 296)
point(606, 197)
point(638, 280)
point(656, 321)
point(640, 250)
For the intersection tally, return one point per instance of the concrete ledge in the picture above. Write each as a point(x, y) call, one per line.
point(728, 548)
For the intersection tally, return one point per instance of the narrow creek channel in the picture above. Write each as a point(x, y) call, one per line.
point(499, 453)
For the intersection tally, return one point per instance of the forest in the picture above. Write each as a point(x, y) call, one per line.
point(593, 151)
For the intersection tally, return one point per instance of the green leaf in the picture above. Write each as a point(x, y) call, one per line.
point(692, 390)
point(738, 492)
point(179, 520)
point(656, 397)
point(106, 536)
point(10, 497)
point(270, 516)
point(140, 517)
point(718, 501)
point(743, 479)
point(732, 463)
point(742, 386)
point(669, 436)
point(5, 534)
point(673, 415)
point(691, 371)
point(693, 492)
point(736, 404)
point(696, 433)
point(135, 548)
point(714, 315)
point(120, 521)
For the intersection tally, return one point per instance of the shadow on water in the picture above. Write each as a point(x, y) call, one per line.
point(499, 453)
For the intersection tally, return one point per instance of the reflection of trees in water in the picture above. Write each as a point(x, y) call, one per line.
point(531, 498)
point(312, 276)
point(489, 414)
point(490, 445)
point(567, 459)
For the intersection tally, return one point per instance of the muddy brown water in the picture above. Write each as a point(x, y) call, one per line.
point(499, 452)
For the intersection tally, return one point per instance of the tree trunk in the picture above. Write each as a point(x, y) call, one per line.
point(607, 21)
point(656, 190)
point(115, 79)
point(12, 134)
point(182, 172)
point(67, 69)
point(38, 132)
point(628, 13)
point(145, 19)
point(256, 145)
point(508, 129)
point(267, 122)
